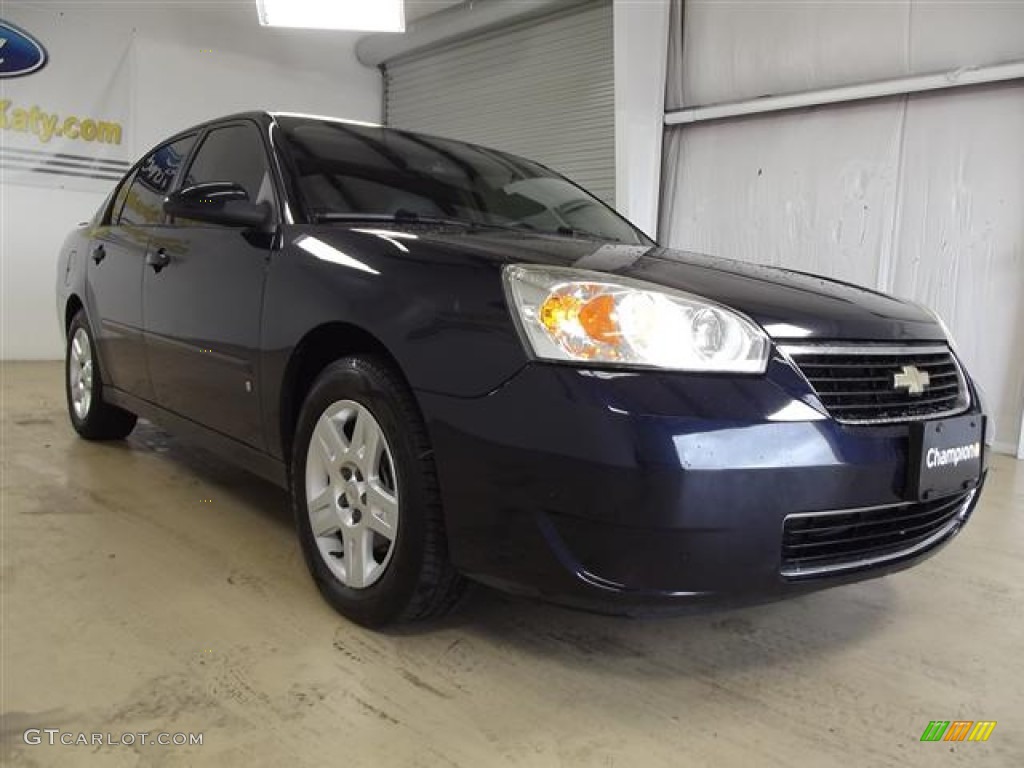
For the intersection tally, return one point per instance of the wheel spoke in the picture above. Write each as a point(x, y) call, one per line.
point(76, 348)
point(383, 509)
point(366, 442)
point(358, 556)
point(323, 517)
point(329, 441)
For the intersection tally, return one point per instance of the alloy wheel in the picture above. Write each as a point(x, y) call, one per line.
point(80, 373)
point(352, 494)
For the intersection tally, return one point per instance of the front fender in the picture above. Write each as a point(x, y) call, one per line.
point(442, 316)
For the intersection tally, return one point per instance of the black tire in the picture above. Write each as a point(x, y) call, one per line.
point(419, 581)
point(101, 421)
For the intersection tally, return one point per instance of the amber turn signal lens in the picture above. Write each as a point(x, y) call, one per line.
point(558, 311)
point(568, 313)
point(598, 319)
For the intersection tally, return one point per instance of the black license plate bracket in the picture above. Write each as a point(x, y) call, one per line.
point(945, 456)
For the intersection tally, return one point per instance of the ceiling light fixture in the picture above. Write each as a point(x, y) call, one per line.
point(362, 15)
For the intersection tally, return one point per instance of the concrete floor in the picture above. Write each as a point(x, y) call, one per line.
point(150, 588)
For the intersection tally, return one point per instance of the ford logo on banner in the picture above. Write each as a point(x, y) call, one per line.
point(20, 53)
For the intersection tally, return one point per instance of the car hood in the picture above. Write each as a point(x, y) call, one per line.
point(788, 305)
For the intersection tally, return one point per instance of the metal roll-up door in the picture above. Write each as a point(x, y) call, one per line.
point(541, 88)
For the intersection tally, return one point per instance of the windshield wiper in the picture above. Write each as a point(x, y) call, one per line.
point(402, 216)
point(319, 216)
point(571, 232)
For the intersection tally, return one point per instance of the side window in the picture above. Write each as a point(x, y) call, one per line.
point(234, 153)
point(113, 212)
point(143, 203)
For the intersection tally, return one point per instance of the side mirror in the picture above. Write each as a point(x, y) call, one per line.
point(218, 202)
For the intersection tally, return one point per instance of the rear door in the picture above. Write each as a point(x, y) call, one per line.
point(115, 267)
point(202, 310)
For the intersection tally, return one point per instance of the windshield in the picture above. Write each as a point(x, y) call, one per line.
point(346, 170)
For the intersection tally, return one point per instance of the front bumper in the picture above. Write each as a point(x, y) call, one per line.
point(617, 490)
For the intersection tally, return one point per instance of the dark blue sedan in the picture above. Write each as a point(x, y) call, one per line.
point(463, 366)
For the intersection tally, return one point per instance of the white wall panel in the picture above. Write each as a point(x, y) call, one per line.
point(960, 224)
point(735, 51)
point(805, 190)
point(641, 58)
point(741, 50)
point(959, 33)
point(33, 224)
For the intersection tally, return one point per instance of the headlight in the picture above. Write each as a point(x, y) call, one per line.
point(590, 317)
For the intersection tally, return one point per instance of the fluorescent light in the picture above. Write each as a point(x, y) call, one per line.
point(363, 15)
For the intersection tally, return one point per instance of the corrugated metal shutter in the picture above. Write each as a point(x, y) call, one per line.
point(542, 89)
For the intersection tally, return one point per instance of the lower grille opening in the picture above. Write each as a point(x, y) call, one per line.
point(818, 543)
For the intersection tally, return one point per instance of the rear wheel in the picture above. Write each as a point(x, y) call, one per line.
point(365, 498)
point(92, 418)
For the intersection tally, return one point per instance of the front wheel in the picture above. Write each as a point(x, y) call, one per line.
point(365, 498)
point(92, 418)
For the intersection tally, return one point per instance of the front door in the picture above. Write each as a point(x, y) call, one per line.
point(202, 296)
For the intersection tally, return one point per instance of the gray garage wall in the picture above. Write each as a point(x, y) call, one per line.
point(920, 195)
point(542, 88)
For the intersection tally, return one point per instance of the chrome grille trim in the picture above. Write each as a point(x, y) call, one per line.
point(793, 352)
point(946, 531)
point(863, 349)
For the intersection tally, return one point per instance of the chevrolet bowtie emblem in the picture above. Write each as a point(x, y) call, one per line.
point(912, 379)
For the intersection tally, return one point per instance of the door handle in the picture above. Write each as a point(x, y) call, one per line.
point(158, 259)
point(99, 253)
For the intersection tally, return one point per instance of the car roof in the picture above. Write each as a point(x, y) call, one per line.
point(265, 116)
point(257, 115)
point(328, 118)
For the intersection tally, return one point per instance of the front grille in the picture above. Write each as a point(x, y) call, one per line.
point(817, 543)
point(857, 383)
